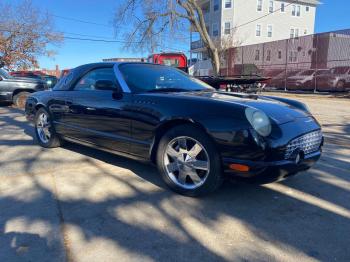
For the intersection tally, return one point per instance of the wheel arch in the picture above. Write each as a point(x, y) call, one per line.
point(165, 127)
point(20, 90)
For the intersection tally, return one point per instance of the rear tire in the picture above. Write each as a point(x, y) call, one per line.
point(44, 130)
point(19, 100)
point(193, 167)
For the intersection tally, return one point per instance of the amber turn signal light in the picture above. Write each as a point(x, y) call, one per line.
point(238, 167)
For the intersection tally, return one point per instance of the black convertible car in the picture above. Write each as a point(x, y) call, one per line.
point(194, 134)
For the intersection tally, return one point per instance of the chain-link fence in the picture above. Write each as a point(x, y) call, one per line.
point(319, 62)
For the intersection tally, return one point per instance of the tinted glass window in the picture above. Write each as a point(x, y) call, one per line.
point(339, 70)
point(64, 82)
point(307, 73)
point(88, 81)
point(147, 78)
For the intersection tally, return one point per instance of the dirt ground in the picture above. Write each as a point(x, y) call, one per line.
point(79, 204)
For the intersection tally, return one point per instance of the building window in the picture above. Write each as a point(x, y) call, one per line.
point(307, 8)
point(259, 5)
point(294, 32)
point(257, 55)
point(271, 6)
point(294, 10)
point(228, 3)
point(283, 7)
point(215, 30)
point(268, 55)
point(258, 30)
point(305, 32)
point(227, 28)
point(269, 30)
point(279, 54)
point(298, 10)
point(216, 5)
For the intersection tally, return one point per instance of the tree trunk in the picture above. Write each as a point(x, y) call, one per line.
point(215, 61)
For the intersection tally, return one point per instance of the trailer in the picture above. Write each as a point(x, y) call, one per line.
point(238, 83)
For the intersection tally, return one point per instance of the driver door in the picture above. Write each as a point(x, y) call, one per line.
point(97, 116)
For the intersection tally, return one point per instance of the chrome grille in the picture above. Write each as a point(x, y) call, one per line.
point(307, 143)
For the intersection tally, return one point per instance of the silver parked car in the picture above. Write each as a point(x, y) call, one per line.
point(337, 80)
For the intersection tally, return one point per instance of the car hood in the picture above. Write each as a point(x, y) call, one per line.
point(26, 80)
point(278, 111)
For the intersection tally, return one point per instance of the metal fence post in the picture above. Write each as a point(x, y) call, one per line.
point(286, 64)
point(316, 67)
point(242, 69)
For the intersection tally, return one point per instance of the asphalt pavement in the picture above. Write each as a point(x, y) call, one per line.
point(79, 204)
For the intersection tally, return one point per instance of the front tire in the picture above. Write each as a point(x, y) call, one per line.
point(189, 162)
point(44, 130)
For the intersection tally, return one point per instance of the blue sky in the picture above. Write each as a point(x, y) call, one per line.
point(331, 15)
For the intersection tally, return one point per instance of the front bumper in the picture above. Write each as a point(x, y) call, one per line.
point(272, 171)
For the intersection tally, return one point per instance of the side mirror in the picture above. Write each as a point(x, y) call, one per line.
point(104, 85)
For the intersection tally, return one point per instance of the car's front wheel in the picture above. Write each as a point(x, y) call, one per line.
point(44, 130)
point(188, 161)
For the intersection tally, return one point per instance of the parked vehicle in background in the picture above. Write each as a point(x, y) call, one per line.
point(338, 79)
point(50, 80)
point(305, 80)
point(178, 60)
point(279, 81)
point(29, 74)
point(17, 89)
point(193, 133)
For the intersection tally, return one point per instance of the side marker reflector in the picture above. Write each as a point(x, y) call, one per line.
point(238, 167)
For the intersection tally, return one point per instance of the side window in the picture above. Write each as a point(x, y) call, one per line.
point(63, 83)
point(88, 81)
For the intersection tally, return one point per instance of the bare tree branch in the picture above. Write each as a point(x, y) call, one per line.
point(25, 33)
point(146, 22)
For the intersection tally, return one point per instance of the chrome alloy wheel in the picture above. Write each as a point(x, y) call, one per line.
point(43, 128)
point(186, 162)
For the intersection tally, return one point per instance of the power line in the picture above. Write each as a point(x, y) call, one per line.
point(104, 25)
point(100, 40)
point(81, 21)
point(85, 39)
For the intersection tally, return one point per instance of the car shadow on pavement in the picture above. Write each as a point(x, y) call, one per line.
point(122, 210)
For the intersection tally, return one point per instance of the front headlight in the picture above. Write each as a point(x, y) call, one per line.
point(259, 121)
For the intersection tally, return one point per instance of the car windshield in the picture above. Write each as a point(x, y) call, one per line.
point(4, 73)
point(307, 73)
point(157, 78)
point(323, 72)
point(339, 70)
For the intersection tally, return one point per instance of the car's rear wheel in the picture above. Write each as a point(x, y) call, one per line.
point(44, 130)
point(188, 161)
point(19, 100)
